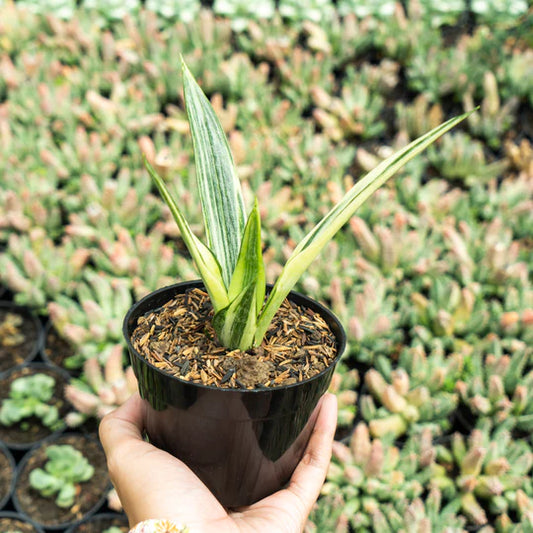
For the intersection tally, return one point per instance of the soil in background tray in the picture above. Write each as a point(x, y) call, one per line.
point(44, 510)
point(6, 475)
point(17, 341)
point(12, 524)
point(179, 339)
point(15, 434)
point(98, 524)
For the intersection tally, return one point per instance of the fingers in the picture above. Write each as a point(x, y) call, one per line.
point(122, 425)
point(150, 482)
point(310, 474)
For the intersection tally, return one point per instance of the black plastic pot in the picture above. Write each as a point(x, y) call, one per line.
point(23, 440)
point(4, 451)
point(99, 523)
point(28, 350)
point(21, 519)
point(25, 497)
point(243, 444)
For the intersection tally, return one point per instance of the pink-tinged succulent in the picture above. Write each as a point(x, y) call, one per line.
point(100, 393)
point(416, 395)
point(369, 474)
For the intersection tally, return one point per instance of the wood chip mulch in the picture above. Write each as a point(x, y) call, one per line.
point(179, 339)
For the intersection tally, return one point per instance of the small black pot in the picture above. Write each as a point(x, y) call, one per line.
point(4, 451)
point(23, 499)
point(26, 352)
point(22, 519)
point(100, 522)
point(243, 444)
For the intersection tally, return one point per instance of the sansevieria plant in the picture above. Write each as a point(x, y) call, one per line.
point(231, 264)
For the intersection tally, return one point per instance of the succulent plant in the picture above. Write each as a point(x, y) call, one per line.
point(381, 8)
point(355, 113)
point(518, 69)
point(241, 12)
point(175, 9)
point(496, 385)
point(494, 118)
point(460, 158)
point(123, 255)
point(63, 9)
point(499, 11)
point(367, 474)
point(401, 251)
point(423, 515)
point(439, 14)
point(439, 71)
point(302, 71)
point(492, 467)
point(418, 394)
point(448, 310)
point(98, 394)
point(369, 312)
point(418, 116)
point(37, 270)
point(327, 515)
point(510, 201)
point(19, 214)
point(31, 396)
point(524, 509)
point(92, 322)
point(11, 330)
point(344, 385)
point(485, 255)
point(314, 10)
point(63, 472)
point(114, 10)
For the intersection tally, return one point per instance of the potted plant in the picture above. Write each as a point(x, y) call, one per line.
point(61, 481)
point(231, 370)
point(20, 335)
point(31, 404)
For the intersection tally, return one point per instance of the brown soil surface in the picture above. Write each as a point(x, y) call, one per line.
point(16, 343)
point(11, 524)
point(6, 475)
point(44, 510)
point(31, 430)
point(179, 339)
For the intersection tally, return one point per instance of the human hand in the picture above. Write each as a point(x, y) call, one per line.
point(153, 484)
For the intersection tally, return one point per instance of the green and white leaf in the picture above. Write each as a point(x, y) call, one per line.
point(235, 325)
point(218, 184)
point(205, 261)
point(231, 265)
point(324, 231)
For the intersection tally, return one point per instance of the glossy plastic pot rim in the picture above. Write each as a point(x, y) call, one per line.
point(295, 297)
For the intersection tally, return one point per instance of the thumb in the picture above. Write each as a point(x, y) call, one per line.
point(123, 425)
